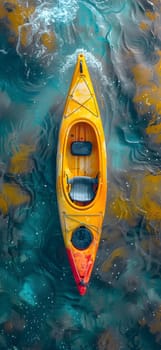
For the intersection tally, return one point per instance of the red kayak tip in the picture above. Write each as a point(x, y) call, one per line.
point(82, 289)
point(81, 285)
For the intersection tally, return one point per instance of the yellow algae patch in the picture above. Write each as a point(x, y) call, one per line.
point(147, 93)
point(150, 199)
point(144, 199)
point(155, 325)
point(151, 15)
point(3, 205)
point(148, 89)
point(142, 75)
point(121, 208)
point(120, 252)
point(108, 340)
point(16, 18)
point(158, 138)
point(155, 131)
point(21, 161)
point(144, 26)
point(48, 40)
point(157, 67)
point(142, 322)
point(13, 195)
point(123, 205)
point(15, 15)
point(149, 99)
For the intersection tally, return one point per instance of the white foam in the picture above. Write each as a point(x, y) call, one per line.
point(91, 60)
point(64, 11)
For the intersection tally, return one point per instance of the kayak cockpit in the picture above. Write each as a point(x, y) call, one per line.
point(82, 189)
point(82, 164)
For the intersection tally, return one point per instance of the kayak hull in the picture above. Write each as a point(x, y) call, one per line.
point(81, 175)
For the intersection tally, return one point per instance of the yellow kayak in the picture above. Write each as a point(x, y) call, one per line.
point(81, 175)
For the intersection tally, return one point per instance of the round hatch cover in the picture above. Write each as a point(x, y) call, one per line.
point(82, 238)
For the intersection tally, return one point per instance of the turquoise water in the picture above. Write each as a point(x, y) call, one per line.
point(40, 308)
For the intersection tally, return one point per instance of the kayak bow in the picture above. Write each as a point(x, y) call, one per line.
point(81, 175)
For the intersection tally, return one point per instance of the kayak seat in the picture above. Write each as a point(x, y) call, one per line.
point(82, 188)
point(81, 148)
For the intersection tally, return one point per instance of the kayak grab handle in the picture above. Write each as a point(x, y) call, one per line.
point(81, 67)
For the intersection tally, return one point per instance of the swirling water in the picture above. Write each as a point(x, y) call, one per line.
point(39, 304)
